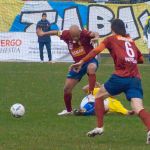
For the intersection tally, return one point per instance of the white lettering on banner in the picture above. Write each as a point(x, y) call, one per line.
point(71, 17)
point(100, 18)
point(126, 14)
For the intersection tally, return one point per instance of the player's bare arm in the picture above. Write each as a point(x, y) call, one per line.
point(86, 87)
point(40, 32)
point(92, 54)
point(77, 66)
point(95, 38)
point(94, 35)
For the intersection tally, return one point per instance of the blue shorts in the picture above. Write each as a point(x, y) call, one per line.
point(78, 75)
point(130, 86)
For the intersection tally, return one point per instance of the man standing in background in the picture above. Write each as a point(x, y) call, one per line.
point(44, 24)
point(146, 37)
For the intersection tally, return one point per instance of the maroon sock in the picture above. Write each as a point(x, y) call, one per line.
point(92, 81)
point(67, 100)
point(99, 111)
point(145, 117)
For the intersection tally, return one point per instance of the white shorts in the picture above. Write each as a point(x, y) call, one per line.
point(148, 41)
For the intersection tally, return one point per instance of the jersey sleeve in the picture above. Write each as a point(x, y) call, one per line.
point(139, 53)
point(140, 57)
point(48, 23)
point(64, 35)
point(38, 25)
point(107, 44)
point(87, 33)
point(94, 52)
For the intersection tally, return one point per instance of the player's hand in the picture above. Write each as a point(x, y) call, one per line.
point(77, 66)
point(40, 32)
point(94, 42)
point(78, 112)
point(145, 39)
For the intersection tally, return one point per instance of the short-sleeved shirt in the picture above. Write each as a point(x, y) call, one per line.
point(45, 25)
point(80, 49)
point(125, 55)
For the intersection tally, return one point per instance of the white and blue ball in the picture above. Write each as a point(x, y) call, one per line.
point(17, 110)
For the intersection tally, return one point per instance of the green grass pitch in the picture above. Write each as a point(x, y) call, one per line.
point(39, 87)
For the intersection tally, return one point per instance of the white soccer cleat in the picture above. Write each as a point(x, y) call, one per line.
point(65, 113)
point(96, 131)
point(148, 138)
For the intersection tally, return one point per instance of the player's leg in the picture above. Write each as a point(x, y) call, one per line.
point(116, 106)
point(99, 105)
point(41, 47)
point(99, 111)
point(91, 71)
point(137, 106)
point(69, 85)
point(113, 86)
point(48, 47)
point(135, 94)
point(73, 78)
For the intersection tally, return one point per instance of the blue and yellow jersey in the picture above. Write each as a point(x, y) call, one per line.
point(113, 104)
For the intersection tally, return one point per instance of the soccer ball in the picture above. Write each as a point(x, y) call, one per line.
point(17, 110)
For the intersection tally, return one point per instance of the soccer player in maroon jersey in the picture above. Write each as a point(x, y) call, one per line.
point(79, 45)
point(126, 77)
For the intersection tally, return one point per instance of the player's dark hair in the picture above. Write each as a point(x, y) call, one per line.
point(44, 14)
point(118, 27)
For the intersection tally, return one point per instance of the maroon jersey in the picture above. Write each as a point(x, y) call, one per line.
point(125, 55)
point(80, 49)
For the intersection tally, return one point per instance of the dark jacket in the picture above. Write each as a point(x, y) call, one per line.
point(45, 25)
